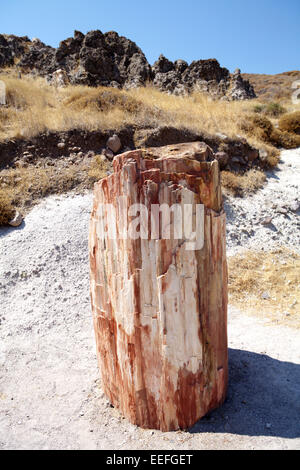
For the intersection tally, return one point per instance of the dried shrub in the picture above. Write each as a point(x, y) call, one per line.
point(7, 211)
point(290, 123)
point(286, 140)
point(240, 185)
point(262, 128)
point(101, 99)
point(258, 126)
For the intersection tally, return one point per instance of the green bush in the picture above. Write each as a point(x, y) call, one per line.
point(274, 109)
point(270, 109)
point(258, 108)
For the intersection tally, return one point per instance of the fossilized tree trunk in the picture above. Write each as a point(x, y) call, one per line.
point(160, 311)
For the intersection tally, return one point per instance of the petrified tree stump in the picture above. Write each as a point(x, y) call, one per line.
point(160, 306)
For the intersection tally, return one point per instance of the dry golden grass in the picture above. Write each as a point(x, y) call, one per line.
point(241, 185)
point(200, 113)
point(33, 106)
point(275, 275)
point(21, 188)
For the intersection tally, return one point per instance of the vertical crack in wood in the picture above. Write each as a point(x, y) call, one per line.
point(160, 311)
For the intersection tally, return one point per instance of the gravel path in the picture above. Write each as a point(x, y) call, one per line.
point(50, 392)
point(270, 217)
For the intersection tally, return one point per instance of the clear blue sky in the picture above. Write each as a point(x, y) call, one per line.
point(258, 36)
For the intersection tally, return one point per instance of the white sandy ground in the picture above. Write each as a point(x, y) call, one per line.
point(279, 199)
point(50, 392)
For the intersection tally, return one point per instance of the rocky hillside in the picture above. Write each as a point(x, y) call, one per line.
point(277, 87)
point(111, 60)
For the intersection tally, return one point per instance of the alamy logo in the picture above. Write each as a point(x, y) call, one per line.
point(2, 93)
point(184, 222)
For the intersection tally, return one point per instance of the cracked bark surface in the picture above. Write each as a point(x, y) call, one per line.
point(159, 310)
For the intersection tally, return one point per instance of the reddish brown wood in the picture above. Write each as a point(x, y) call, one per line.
point(160, 311)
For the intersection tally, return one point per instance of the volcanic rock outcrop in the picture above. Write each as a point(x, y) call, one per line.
point(206, 76)
point(111, 60)
point(93, 59)
point(11, 48)
point(159, 304)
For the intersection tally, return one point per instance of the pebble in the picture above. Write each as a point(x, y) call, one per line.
point(114, 143)
point(267, 221)
point(282, 210)
point(108, 154)
point(294, 207)
point(17, 220)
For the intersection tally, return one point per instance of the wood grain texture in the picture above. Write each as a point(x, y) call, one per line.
point(160, 311)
